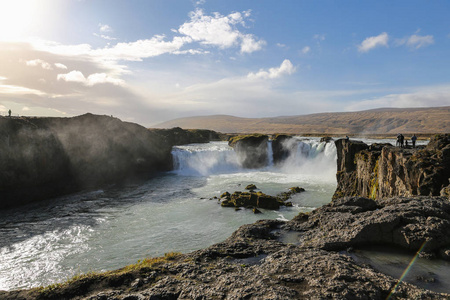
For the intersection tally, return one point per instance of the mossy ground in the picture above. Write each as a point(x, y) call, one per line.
point(90, 280)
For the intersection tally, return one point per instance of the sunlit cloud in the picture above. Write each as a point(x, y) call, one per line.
point(372, 42)
point(220, 31)
point(39, 62)
point(286, 68)
point(93, 79)
point(60, 66)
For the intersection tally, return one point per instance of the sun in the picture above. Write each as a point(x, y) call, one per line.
point(16, 18)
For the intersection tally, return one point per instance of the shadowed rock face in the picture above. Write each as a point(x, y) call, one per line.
point(280, 153)
point(178, 136)
point(251, 150)
point(46, 157)
point(382, 171)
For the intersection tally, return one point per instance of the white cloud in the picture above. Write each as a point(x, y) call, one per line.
point(417, 41)
point(249, 44)
point(73, 76)
point(104, 28)
point(286, 68)
point(306, 49)
point(91, 80)
point(373, 42)
point(39, 62)
point(220, 31)
point(281, 45)
point(60, 66)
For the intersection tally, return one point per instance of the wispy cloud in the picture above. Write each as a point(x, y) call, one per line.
point(372, 42)
point(416, 41)
point(306, 49)
point(416, 97)
point(104, 28)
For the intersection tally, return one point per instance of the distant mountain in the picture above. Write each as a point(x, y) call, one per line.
point(375, 121)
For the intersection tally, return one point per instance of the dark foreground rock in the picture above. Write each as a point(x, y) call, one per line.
point(256, 200)
point(42, 158)
point(253, 199)
point(255, 263)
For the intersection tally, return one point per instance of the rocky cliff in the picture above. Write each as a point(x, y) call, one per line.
point(381, 171)
point(46, 157)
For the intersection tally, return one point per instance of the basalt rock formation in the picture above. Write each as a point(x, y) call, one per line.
point(177, 136)
point(279, 147)
point(46, 157)
point(382, 171)
point(251, 150)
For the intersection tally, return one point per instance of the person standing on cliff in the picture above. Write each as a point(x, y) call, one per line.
point(9, 113)
point(413, 140)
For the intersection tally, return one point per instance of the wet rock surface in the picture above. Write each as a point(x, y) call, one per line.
point(252, 199)
point(257, 262)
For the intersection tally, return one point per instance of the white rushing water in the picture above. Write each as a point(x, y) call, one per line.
point(54, 240)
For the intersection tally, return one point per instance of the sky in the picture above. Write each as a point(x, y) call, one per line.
point(149, 61)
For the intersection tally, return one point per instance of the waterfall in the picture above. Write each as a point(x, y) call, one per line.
point(269, 154)
point(205, 159)
point(306, 156)
point(309, 156)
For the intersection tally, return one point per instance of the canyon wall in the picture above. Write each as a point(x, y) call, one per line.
point(42, 158)
point(382, 170)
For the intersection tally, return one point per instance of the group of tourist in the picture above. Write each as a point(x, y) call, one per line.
point(402, 143)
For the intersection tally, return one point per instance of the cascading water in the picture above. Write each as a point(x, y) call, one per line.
point(306, 156)
point(205, 159)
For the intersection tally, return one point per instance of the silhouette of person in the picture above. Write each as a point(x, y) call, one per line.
point(9, 113)
point(413, 140)
point(402, 141)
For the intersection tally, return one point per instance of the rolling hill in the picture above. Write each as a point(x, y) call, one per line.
point(387, 121)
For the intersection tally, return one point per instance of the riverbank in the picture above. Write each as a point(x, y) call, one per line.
point(306, 257)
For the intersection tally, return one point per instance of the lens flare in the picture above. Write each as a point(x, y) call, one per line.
point(411, 263)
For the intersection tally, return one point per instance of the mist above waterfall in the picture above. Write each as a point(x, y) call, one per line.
point(306, 156)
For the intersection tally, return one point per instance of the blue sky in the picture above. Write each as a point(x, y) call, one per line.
point(152, 61)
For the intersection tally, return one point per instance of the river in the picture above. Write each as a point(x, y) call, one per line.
point(105, 229)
